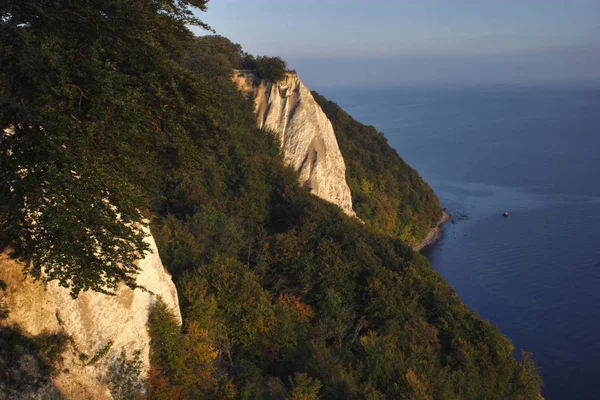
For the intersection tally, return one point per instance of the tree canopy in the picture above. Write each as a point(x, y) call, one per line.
point(387, 193)
point(85, 91)
point(298, 300)
point(112, 113)
point(271, 69)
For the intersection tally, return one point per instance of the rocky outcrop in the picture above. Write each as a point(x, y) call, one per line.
point(95, 322)
point(308, 141)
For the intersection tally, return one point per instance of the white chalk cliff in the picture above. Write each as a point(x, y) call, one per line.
point(93, 320)
point(307, 139)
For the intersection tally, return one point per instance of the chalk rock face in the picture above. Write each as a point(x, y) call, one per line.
point(309, 145)
point(94, 321)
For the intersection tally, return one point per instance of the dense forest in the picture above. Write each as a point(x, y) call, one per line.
point(115, 115)
point(387, 193)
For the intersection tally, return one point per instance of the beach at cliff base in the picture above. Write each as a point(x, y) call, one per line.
point(434, 233)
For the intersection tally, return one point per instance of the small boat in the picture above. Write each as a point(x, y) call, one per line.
point(505, 214)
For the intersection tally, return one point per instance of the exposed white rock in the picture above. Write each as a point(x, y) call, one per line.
point(93, 320)
point(309, 145)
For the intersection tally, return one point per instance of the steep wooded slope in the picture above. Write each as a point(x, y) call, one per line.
point(389, 195)
point(281, 294)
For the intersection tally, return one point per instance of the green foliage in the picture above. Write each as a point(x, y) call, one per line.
point(123, 377)
point(167, 351)
point(271, 69)
point(215, 55)
point(284, 285)
point(199, 239)
point(117, 111)
point(304, 387)
point(85, 89)
point(100, 353)
point(387, 193)
point(182, 363)
point(249, 62)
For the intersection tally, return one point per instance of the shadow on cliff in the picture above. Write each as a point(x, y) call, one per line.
point(27, 363)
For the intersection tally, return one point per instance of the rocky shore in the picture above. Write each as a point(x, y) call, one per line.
point(434, 233)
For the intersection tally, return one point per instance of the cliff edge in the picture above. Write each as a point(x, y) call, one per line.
point(99, 326)
point(307, 139)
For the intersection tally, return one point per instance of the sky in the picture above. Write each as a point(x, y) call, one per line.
point(342, 42)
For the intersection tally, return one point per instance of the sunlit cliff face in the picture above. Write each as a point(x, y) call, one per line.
point(94, 321)
point(307, 139)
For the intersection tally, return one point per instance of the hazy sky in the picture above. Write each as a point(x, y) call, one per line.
point(409, 41)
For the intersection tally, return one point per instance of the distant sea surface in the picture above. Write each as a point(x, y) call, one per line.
point(534, 152)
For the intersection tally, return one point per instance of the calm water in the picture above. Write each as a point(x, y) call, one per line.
point(534, 152)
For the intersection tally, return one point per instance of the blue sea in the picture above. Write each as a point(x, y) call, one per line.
point(532, 151)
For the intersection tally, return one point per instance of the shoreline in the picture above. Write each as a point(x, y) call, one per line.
point(434, 233)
